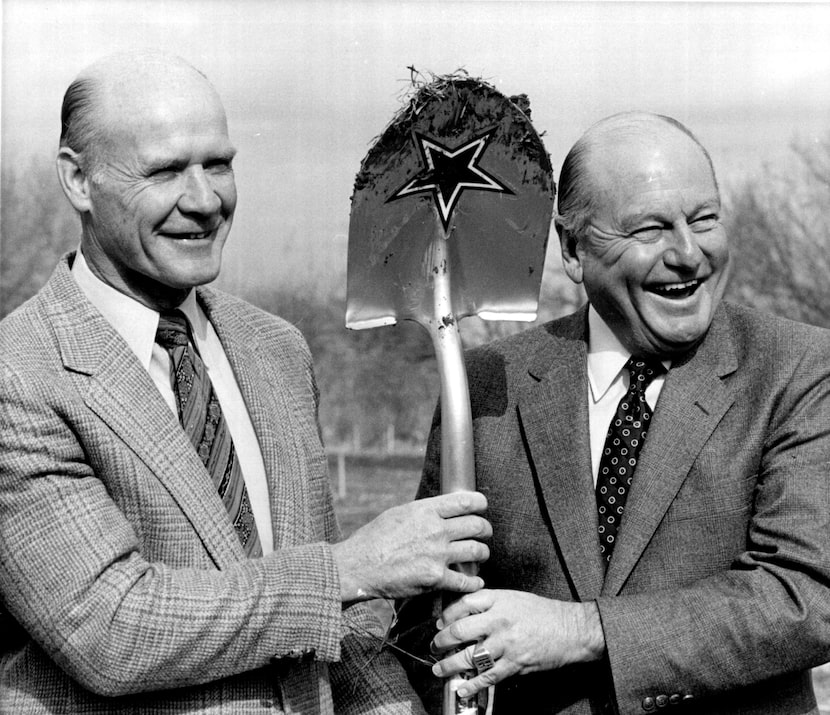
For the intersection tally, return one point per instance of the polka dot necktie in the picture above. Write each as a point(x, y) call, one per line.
point(622, 446)
point(203, 422)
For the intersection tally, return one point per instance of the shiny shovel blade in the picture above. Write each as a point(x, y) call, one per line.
point(460, 163)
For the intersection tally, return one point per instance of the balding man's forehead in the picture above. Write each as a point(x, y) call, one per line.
point(123, 80)
point(145, 101)
point(634, 152)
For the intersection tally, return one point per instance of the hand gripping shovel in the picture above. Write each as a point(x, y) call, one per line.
point(450, 218)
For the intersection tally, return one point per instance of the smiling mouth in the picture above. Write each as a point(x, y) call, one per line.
point(676, 290)
point(188, 236)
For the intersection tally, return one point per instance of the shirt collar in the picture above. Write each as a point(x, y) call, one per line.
point(194, 314)
point(606, 355)
point(135, 322)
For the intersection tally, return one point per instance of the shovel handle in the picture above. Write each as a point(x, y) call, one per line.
point(457, 455)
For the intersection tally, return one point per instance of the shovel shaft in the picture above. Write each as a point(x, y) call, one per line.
point(457, 460)
point(457, 456)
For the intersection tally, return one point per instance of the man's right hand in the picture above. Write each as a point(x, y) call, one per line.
point(408, 549)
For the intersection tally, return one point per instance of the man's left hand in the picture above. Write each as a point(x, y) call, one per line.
point(522, 632)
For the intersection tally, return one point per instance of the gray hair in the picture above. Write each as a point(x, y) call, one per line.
point(79, 130)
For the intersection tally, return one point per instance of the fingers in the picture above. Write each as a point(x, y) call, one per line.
point(459, 662)
point(464, 557)
point(471, 628)
point(453, 515)
point(410, 549)
point(479, 602)
point(460, 582)
point(457, 504)
point(467, 527)
point(462, 661)
point(468, 551)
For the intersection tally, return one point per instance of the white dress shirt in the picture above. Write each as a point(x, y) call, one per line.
point(137, 324)
point(608, 382)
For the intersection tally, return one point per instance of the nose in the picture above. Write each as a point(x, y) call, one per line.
point(684, 250)
point(199, 195)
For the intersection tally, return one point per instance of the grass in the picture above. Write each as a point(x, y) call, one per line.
point(374, 484)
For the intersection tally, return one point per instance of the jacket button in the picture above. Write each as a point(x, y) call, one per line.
point(649, 704)
point(674, 699)
point(662, 701)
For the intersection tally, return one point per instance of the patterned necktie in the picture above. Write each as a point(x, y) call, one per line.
point(622, 446)
point(203, 422)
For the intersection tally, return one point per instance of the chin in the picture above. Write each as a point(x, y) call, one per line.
point(678, 344)
point(199, 274)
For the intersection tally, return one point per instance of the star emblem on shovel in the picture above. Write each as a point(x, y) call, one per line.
point(449, 172)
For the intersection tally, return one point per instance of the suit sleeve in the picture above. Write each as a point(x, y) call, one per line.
point(74, 575)
point(769, 613)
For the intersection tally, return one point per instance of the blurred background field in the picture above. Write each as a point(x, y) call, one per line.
point(371, 484)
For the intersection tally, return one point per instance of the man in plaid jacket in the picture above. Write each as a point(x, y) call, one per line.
point(124, 585)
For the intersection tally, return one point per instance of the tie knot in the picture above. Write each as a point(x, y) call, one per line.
point(172, 330)
point(643, 370)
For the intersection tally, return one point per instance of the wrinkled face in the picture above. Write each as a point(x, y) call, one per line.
point(162, 192)
point(654, 260)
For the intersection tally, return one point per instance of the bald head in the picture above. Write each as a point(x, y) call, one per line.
point(146, 160)
point(118, 86)
point(595, 153)
point(641, 231)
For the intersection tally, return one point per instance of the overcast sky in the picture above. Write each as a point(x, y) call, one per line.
point(308, 85)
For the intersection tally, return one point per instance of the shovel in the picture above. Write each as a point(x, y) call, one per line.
point(450, 218)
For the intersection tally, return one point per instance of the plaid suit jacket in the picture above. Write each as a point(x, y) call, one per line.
point(124, 587)
point(717, 599)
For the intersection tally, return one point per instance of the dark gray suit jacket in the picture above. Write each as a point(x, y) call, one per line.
point(717, 599)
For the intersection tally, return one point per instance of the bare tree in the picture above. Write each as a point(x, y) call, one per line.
point(779, 226)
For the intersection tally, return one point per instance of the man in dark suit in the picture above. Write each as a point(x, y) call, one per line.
point(656, 466)
point(167, 537)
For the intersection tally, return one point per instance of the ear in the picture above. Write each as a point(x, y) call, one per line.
point(571, 260)
point(73, 179)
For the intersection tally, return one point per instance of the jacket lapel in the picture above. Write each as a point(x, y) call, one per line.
point(691, 404)
point(276, 421)
point(111, 379)
point(553, 411)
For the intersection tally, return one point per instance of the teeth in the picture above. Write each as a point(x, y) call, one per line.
point(676, 287)
point(188, 236)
